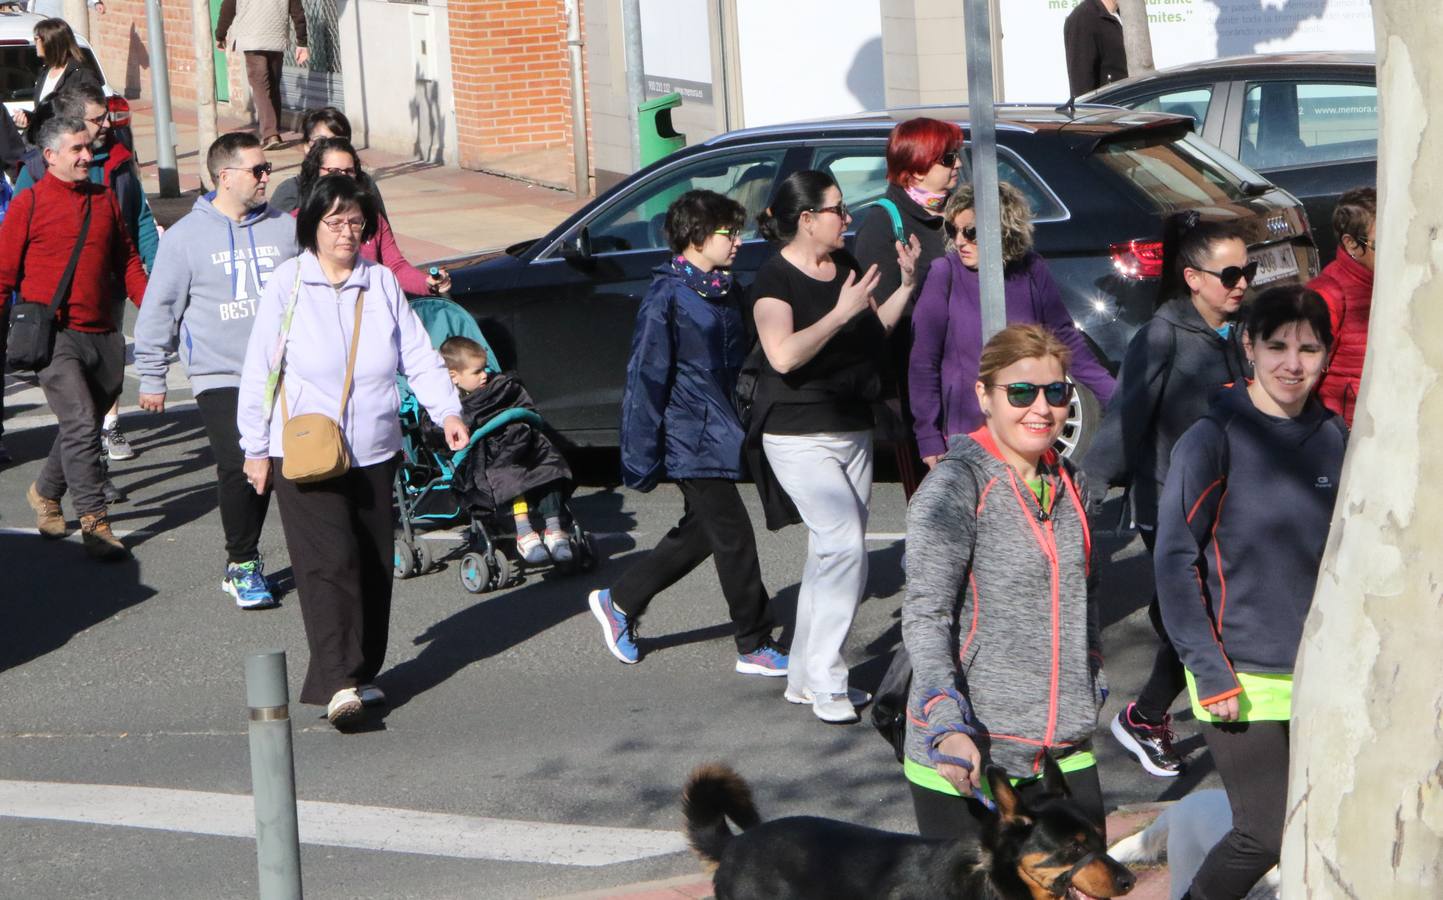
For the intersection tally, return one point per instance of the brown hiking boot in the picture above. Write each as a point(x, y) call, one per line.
point(100, 541)
point(48, 517)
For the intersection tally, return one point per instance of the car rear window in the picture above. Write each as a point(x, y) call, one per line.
point(19, 67)
point(1170, 174)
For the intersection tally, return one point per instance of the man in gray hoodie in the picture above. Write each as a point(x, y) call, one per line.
point(209, 274)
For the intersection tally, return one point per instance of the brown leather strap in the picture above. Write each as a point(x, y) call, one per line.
point(350, 366)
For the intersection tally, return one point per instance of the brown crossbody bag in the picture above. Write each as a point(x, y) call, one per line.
point(313, 446)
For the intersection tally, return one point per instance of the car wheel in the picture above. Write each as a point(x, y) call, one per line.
point(1083, 415)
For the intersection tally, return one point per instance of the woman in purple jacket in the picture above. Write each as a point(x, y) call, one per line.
point(947, 323)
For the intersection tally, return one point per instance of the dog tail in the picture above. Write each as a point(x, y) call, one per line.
point(1147, 846)
point(713, 794)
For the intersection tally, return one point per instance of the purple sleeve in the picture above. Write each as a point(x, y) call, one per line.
point(1085, 369)
point(924, 365)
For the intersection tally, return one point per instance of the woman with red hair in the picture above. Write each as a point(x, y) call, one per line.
point(924, 157)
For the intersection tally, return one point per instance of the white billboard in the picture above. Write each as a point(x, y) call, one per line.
point(1182, 31)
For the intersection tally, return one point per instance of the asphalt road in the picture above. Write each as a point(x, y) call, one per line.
point(504, 706)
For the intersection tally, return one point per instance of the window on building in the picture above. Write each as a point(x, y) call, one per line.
point(1290, 123)
point(635, 221)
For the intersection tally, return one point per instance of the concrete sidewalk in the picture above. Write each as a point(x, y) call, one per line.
point(435, 211)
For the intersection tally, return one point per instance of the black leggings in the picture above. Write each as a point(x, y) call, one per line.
point(1166, 680)
point(1252, 758)
point(948, 817)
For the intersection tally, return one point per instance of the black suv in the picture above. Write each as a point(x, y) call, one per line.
point(560, 309)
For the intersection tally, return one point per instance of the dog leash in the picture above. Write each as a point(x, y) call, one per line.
point(966, 764)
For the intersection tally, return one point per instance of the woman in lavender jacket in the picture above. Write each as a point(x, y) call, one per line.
point(339, 531)
point(947, 322)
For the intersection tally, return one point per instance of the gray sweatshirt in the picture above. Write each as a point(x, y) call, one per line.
point(208, 276)
point(998, 619)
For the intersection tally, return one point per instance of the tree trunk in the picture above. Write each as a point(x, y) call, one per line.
point(1365, 799)
point(1135, 36)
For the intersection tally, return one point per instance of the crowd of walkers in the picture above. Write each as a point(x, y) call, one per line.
point(1226, 425)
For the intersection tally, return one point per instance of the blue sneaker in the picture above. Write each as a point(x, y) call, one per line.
point(246, 582)
point(768, 659)
point(617, 627)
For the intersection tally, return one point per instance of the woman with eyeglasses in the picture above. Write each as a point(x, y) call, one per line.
point(1241, 529)
point(823, 336)
point(336, 156)
point(924, 157)
point(63, 66)
point(1172, 369)
point(947, 323)
point(332, 331)
point(1000, 617)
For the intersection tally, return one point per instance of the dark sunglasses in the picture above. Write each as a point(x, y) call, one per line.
point(840, 209)
point(1233, 274)
point(256, 171)
point(1023, 394)
point(968, 233)
point(948, 159)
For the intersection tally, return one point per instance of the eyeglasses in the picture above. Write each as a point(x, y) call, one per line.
point(1233, 274)
point(840, 209)
point(1365, 243)
point(100, 119)
point(968, 233)
point(257, 171)
point(727, 233)
point(948, 159)
point(337, 170)
point(1022, 394)
point(336, 226)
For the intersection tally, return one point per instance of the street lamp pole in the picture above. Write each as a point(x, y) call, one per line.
point(982, 115)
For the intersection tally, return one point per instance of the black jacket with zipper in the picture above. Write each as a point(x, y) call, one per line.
point(1173, 368)
point(1096, 55)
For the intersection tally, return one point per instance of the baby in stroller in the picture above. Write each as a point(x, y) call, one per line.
point(516, 467)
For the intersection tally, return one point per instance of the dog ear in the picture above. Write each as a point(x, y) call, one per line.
point(1009, 804)
point(1053, 782)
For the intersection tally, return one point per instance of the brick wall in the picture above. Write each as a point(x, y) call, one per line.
point(122, 43)
point(511, 82)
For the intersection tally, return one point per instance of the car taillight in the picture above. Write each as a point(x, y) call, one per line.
point(119, 111)
point(1138, 259)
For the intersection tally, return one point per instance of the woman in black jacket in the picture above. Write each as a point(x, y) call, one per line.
point(678, 421)
point(924, 158)
point(1241, 529)
point(64, 66)
point(1172, 369)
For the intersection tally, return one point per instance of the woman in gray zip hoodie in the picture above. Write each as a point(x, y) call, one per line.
point(998, 617)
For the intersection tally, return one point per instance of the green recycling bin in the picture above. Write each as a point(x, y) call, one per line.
point(657, 136)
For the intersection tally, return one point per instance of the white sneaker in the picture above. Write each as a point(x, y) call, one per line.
point(835, 708)
point(370, 695)
point(115, 444)
point(345, 707)
point(858, 696)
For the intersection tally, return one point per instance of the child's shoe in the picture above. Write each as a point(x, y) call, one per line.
point(531, 549)
point(558, 544)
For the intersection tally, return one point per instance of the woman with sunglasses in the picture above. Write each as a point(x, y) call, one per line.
point(1172, 369)
point(924, 157)
point(947, 323)
point(63, 65)
point(1006, 679)
point(1241, 528)
point(822, 335)
point(336, 156)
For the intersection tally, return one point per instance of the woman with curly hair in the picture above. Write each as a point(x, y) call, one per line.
point(947, 323)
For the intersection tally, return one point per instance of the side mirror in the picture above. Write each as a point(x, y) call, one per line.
point(578, 250)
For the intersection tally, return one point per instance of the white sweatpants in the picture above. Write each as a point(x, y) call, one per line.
point(829, 478)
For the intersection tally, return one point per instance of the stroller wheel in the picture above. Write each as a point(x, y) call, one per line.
point(507, 571)
point(424, 560)
point(475, 573)
point(404, 562)
point(588, 552)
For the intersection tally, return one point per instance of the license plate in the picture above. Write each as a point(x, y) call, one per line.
point(1275, 263)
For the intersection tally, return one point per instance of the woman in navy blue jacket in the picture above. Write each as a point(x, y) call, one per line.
point(678, 421)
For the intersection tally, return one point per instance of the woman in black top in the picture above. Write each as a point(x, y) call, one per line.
point(823, 336)
point(924, 158)
point(63, 66)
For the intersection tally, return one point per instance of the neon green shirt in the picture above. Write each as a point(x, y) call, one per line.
point(927, 777)
point(1265, 698)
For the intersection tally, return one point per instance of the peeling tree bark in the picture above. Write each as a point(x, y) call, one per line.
point(1365, 799)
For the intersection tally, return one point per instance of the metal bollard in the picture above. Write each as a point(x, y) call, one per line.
point(273, 777)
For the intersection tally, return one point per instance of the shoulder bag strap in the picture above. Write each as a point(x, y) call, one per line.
point(895, 215)
point(63, 287)
point(351, 360)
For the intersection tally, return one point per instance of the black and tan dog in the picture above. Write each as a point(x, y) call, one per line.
point(1037, 851)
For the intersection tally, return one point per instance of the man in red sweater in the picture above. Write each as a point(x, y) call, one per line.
point(87, 368)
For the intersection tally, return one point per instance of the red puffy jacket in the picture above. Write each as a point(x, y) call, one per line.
point(1347, 285)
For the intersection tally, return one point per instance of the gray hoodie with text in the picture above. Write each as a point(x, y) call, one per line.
point(209, 273)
